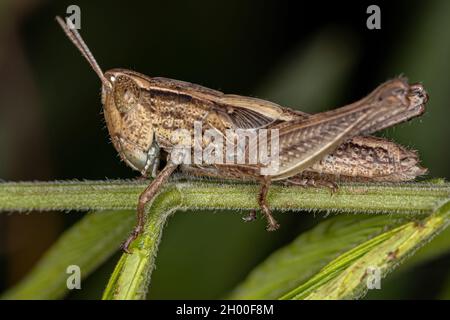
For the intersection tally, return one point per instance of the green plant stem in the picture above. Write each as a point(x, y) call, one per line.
point(131, 277)
point(123, 195)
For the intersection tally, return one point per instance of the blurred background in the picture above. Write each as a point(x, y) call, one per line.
point(310, 56)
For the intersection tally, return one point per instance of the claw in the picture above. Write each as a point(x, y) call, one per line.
point(133, 236)
point(272, 225)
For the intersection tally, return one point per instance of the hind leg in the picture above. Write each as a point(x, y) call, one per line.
point(272, 224)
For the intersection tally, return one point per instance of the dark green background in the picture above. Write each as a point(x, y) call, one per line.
point(312, 56)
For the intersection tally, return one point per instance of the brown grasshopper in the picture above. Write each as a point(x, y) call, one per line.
point(143, 112)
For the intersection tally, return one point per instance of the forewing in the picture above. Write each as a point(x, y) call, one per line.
point(304, 142)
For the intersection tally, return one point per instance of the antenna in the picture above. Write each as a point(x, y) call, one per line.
point(77, 40)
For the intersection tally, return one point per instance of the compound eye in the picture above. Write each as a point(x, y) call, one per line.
point(126, 93)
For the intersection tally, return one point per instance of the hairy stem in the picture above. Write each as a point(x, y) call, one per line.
point(131, 277)
point(123, 194)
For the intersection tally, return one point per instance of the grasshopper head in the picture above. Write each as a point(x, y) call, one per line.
point(128, 119)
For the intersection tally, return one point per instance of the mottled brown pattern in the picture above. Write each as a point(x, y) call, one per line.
point(369, 159)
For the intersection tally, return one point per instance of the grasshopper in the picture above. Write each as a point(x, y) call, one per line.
point(322, 149)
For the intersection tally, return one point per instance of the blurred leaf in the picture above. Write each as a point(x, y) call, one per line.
point(332, 260)
point(294, 264)
point(88, 244)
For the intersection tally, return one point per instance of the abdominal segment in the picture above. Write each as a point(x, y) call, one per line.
point(366, 159)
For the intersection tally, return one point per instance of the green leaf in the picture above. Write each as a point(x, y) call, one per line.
point(434, 250)
point(333, 260)
point(87, 244)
